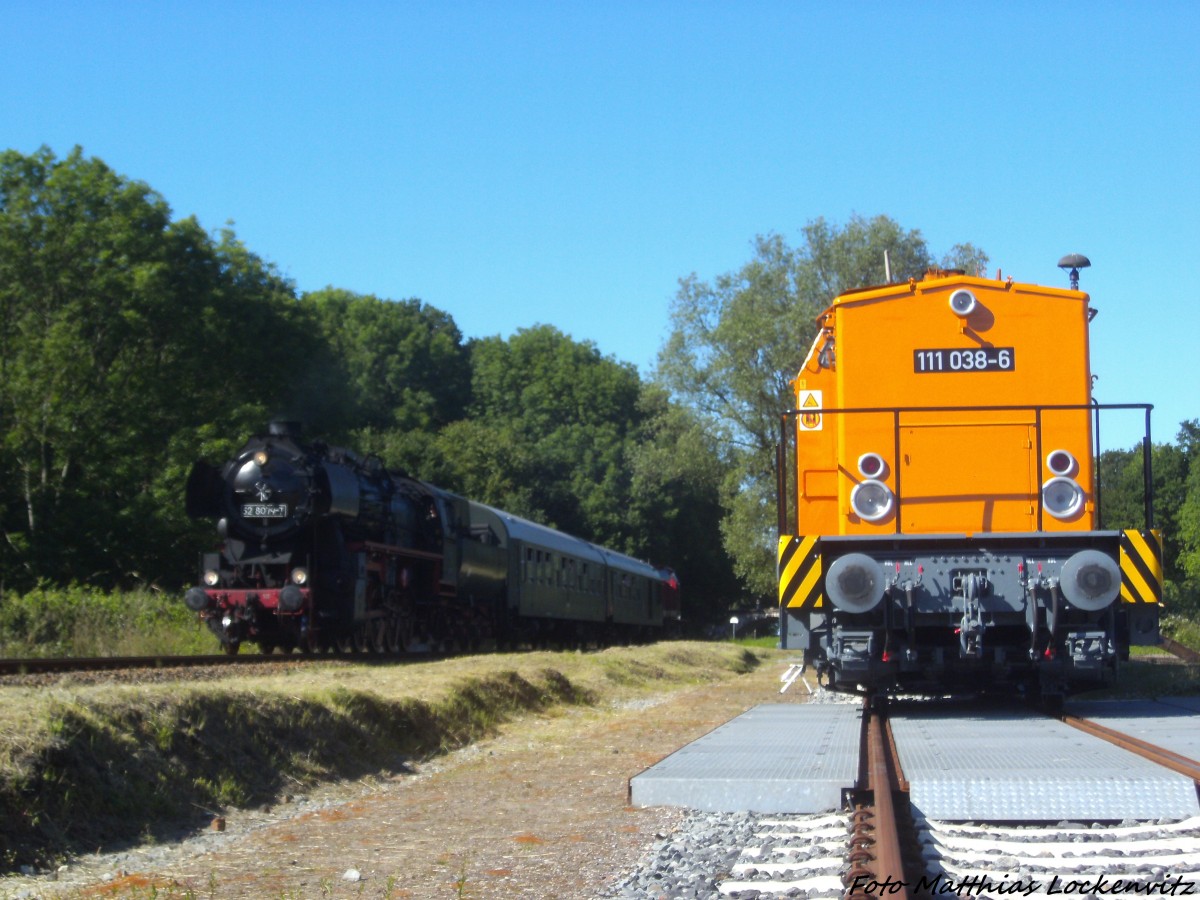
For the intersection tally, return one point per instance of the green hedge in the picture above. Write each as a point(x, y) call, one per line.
point(81, 621)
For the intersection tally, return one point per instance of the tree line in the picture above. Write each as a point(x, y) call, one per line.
point(133, 343)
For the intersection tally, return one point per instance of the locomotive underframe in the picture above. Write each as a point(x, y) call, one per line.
point(965, 614)
point(371, 597)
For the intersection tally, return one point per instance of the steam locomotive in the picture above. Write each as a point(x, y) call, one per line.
point(939, 501)
point(323, 549)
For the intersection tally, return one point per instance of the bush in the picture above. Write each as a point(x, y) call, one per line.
point(81, 621)
point(1186, 631)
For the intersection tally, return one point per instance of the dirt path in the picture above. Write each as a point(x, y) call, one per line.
point(540, 811)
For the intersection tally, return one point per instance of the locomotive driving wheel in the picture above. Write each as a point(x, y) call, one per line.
point(394, 637)
point(378, 634)
point(399, 629)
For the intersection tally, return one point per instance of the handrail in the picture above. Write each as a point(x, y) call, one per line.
point(783, 458)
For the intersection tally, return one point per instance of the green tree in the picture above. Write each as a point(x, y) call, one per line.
point(563, 415)
point(736, 343)
point(561, 435)
point(387, 364)
point(675, 500)
point(1188, 520)
point(119, 330)
point(1123, 494)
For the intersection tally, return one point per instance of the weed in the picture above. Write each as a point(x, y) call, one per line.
point(460, 882)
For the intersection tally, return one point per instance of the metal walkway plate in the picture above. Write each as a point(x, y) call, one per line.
point(775, 758)
point(1172, 723)
point(1016, 766)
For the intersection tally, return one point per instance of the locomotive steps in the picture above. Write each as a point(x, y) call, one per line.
point(87, 766)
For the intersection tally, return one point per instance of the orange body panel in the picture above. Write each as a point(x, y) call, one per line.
point(960, 408)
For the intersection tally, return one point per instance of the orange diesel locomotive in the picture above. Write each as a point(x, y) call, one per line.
point(939, 517)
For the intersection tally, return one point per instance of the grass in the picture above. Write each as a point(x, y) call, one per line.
point(769, 642)
point(84, 622)
point(90, 766)
point(1186, 631)
point(1144, 677)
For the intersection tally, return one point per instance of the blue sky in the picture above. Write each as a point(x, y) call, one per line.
point(517, 163)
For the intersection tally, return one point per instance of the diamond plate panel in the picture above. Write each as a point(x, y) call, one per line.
point(775, 758)
point(1172, 723)
point(1025, 767)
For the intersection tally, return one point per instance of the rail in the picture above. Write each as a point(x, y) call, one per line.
point(1169, 759)
point(60, 665)
point(875, 857)
point(1181, 651)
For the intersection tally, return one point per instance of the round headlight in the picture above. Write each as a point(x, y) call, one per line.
point(1062, 497)
point(962, 302)
point(1061, 462)
point(260, 458)
point(871, 500)
point(299, 576)
point(871, 465)
point(212, 577)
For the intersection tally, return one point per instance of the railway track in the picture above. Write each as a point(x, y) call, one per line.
point(881, 843)
point(1185, 653)
point(16, 671)
point(50, 665)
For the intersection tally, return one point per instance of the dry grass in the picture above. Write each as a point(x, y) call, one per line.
point(87, 766)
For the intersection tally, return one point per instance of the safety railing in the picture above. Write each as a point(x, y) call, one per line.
point(788, 501)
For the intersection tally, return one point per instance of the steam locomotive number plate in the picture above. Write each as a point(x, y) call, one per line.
point(264, 510)
point(989, 359)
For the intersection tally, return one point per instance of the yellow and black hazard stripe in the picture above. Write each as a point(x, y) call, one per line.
point(1141, 566)
point(799, 570)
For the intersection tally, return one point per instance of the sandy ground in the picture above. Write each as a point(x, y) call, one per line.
point(540, 811)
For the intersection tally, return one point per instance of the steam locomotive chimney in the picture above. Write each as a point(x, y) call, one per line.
point(1074, 262)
